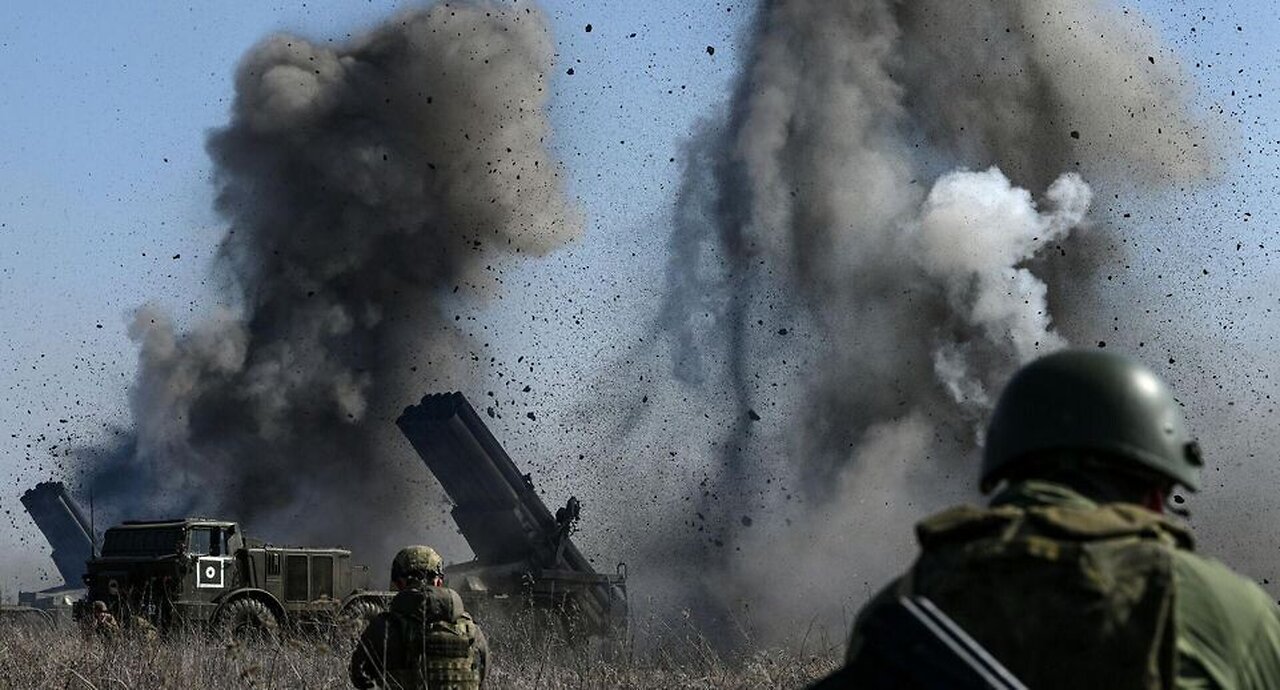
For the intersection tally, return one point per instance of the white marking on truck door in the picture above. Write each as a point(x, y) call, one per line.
point(211, 572)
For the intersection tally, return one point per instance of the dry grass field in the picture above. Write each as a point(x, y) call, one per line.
point(47, 658)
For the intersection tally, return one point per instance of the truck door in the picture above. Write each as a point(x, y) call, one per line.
point(224, 545)
point(214, 567)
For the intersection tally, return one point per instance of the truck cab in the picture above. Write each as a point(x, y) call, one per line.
point(165, 570)
point(198, 571)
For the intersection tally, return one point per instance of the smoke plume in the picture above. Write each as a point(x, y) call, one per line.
point(871, 240)
point(363, 184)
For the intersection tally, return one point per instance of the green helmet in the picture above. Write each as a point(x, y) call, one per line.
point(1090, 400)
point(416, 562)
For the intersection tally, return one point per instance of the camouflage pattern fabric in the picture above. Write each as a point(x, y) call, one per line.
point(416, 561)
point(426, 640)
point(105, 626)
point(1067, 593)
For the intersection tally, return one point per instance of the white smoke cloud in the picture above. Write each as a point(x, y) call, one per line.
point(974, 233)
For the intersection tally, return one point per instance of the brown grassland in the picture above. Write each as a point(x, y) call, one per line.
point(66, 658)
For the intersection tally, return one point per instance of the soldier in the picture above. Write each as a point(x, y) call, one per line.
point(103, 624)
point(425, 640)
point(1073, 577)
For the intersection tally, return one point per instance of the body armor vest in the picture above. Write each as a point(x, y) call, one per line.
point(438, 643)
point(1064, 597)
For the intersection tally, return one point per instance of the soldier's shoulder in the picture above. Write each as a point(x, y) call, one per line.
point(444, 594)
point(446, 601)
point(962, 523)
point(882, 599)
point(1209, 592)
point(1226, 624)
point(1208, 574)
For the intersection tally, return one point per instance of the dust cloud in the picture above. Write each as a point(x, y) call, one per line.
point(364, 184)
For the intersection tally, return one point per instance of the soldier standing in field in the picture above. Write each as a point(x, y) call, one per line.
point(1073, 577)
point(425, 639)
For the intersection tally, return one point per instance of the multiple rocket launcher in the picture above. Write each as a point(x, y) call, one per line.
point(524, 554)
point(64, 524)
point(70, 534)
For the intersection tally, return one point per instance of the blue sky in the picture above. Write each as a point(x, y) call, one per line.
point(105, 199)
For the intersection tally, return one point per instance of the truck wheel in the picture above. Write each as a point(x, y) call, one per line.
point(247, 618)
point(355, 616)
point(362, 611)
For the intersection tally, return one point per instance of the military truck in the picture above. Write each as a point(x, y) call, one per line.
point(199, 572)
point(525, 559)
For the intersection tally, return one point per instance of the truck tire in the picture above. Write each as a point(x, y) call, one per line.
point(362, 610)
point(247, 618)
point(355, 617)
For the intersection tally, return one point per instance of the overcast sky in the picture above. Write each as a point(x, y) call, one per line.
point(105, 197)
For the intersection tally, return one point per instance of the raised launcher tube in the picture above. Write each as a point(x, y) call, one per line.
point(65, 527)
point(521, 549)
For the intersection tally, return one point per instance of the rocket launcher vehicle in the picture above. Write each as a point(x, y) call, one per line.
point(70, 535)
point(524, 554)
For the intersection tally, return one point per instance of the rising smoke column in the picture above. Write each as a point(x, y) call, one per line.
point(363, 183)
point(888, 174)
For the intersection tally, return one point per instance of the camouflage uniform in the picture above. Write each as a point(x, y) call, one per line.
point(1067, 593)
point(425, 640)
point(103, 624)
point(1064, 578)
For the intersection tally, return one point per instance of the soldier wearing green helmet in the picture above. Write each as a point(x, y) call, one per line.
point(1073, 576)
point(425, 639)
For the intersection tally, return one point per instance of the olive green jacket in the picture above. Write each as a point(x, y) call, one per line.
point(1069, 593)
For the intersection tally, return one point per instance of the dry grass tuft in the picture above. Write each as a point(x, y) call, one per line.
point(64, 658)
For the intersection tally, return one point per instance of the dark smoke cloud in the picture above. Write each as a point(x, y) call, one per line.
point(886, 179)
point(363, 183)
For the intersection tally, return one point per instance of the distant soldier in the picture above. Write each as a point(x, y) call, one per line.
point(426, 639)
point(103, 624)
point(1073, 577)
